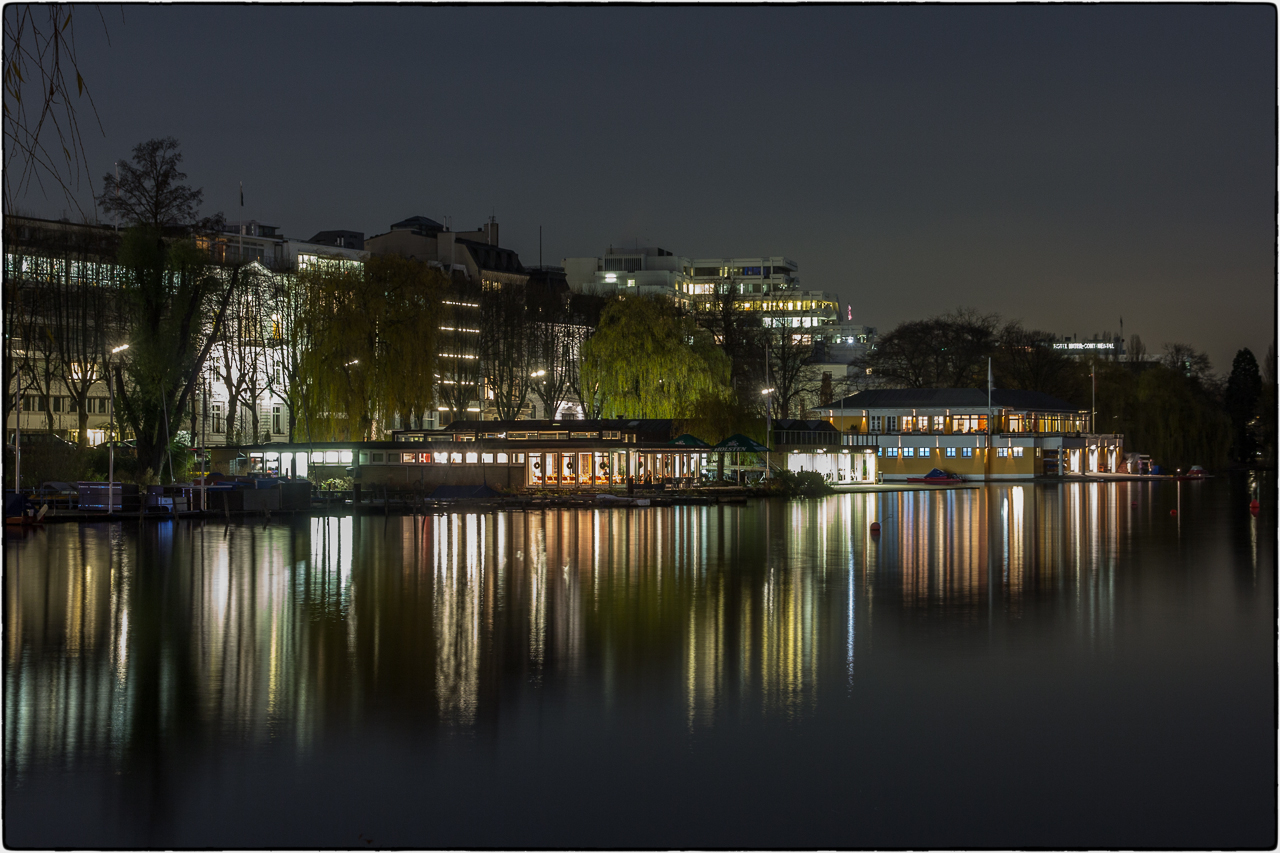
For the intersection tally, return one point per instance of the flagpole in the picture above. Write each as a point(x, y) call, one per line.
point(240, 250)
point(990, 421)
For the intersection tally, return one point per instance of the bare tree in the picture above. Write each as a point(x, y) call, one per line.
point(150, 192)
point(949, 351)
point(1023, 362)
point(589, 397)
point(792, 374)
point(84, 313)
point(740, 334)
point(505, 343)
point(239, 358)
point(1187, 360)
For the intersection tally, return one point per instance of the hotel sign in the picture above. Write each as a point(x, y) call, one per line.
point(1086, 345)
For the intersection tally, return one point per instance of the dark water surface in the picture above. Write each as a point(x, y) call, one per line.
point(1066, 666)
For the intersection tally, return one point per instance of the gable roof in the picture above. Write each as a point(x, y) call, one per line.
point(956, 398)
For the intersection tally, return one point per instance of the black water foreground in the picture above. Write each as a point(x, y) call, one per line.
point(1011, 666)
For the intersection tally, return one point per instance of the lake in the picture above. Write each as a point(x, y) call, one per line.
point(1057, 665)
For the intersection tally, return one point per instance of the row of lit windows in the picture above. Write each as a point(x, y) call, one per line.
point(947, 452)
point(962, 424)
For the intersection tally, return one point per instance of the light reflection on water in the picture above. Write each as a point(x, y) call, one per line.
point(244, 635)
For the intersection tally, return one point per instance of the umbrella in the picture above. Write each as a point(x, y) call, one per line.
point(739, 443)
point(688, 440)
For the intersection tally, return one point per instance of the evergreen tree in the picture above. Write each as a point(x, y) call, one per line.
point(1244, 389)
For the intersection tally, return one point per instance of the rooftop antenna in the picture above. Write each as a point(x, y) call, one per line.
point(539, 245)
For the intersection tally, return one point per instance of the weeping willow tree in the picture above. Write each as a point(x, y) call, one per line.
point(365, 341)
point(647, 360)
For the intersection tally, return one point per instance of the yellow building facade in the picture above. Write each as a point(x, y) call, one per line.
point(1013, 435)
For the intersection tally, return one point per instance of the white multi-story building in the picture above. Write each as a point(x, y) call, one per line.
point(245, 366)
point(642, 271)
point(768, 286)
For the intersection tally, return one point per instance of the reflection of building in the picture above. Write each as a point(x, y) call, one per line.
point(914, 430)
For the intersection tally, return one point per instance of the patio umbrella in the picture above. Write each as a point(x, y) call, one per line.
point(738, 443)
point(688, 440)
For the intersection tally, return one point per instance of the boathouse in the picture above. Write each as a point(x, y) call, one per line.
point(906, 432)
point(512, 455)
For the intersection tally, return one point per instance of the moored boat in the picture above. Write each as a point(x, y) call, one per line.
point(937, 477)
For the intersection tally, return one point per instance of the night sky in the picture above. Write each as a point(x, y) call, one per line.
point(1065, 165)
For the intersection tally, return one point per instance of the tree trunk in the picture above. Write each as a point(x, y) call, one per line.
point(231, 420)
point(82, 422)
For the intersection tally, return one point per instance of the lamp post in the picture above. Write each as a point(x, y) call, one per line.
point(17, 435)
point(538, 374)
point(111, 441)
point(768, 427)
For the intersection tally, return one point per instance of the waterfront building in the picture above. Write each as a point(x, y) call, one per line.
point(514, 455)
point(816, 445)
point(906, 432)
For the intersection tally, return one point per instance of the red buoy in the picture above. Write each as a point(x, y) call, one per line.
point(875, 527)
point(1254, 506)
point(1173, 512)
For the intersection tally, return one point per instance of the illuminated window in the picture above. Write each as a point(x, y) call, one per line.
point(345, 457)
point(951, 452)
point(440, 458)
point(455, 458)
point(472, 458)
point(892, 452)
point(502, 458)
point(1002, 452)
point(486, 458)
point(1017, 451)
point(907, 451)
point(967, 451)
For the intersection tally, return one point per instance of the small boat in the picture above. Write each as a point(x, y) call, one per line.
point(26, 519)
point(937, 477)
point(1195, 472)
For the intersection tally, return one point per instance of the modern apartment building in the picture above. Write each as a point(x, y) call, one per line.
point(767, 286)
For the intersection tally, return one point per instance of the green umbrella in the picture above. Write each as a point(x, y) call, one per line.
point(688, 440)
point(739, 443)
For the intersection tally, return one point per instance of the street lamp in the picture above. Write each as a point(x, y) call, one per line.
point(111, 441)
point(768, 427)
